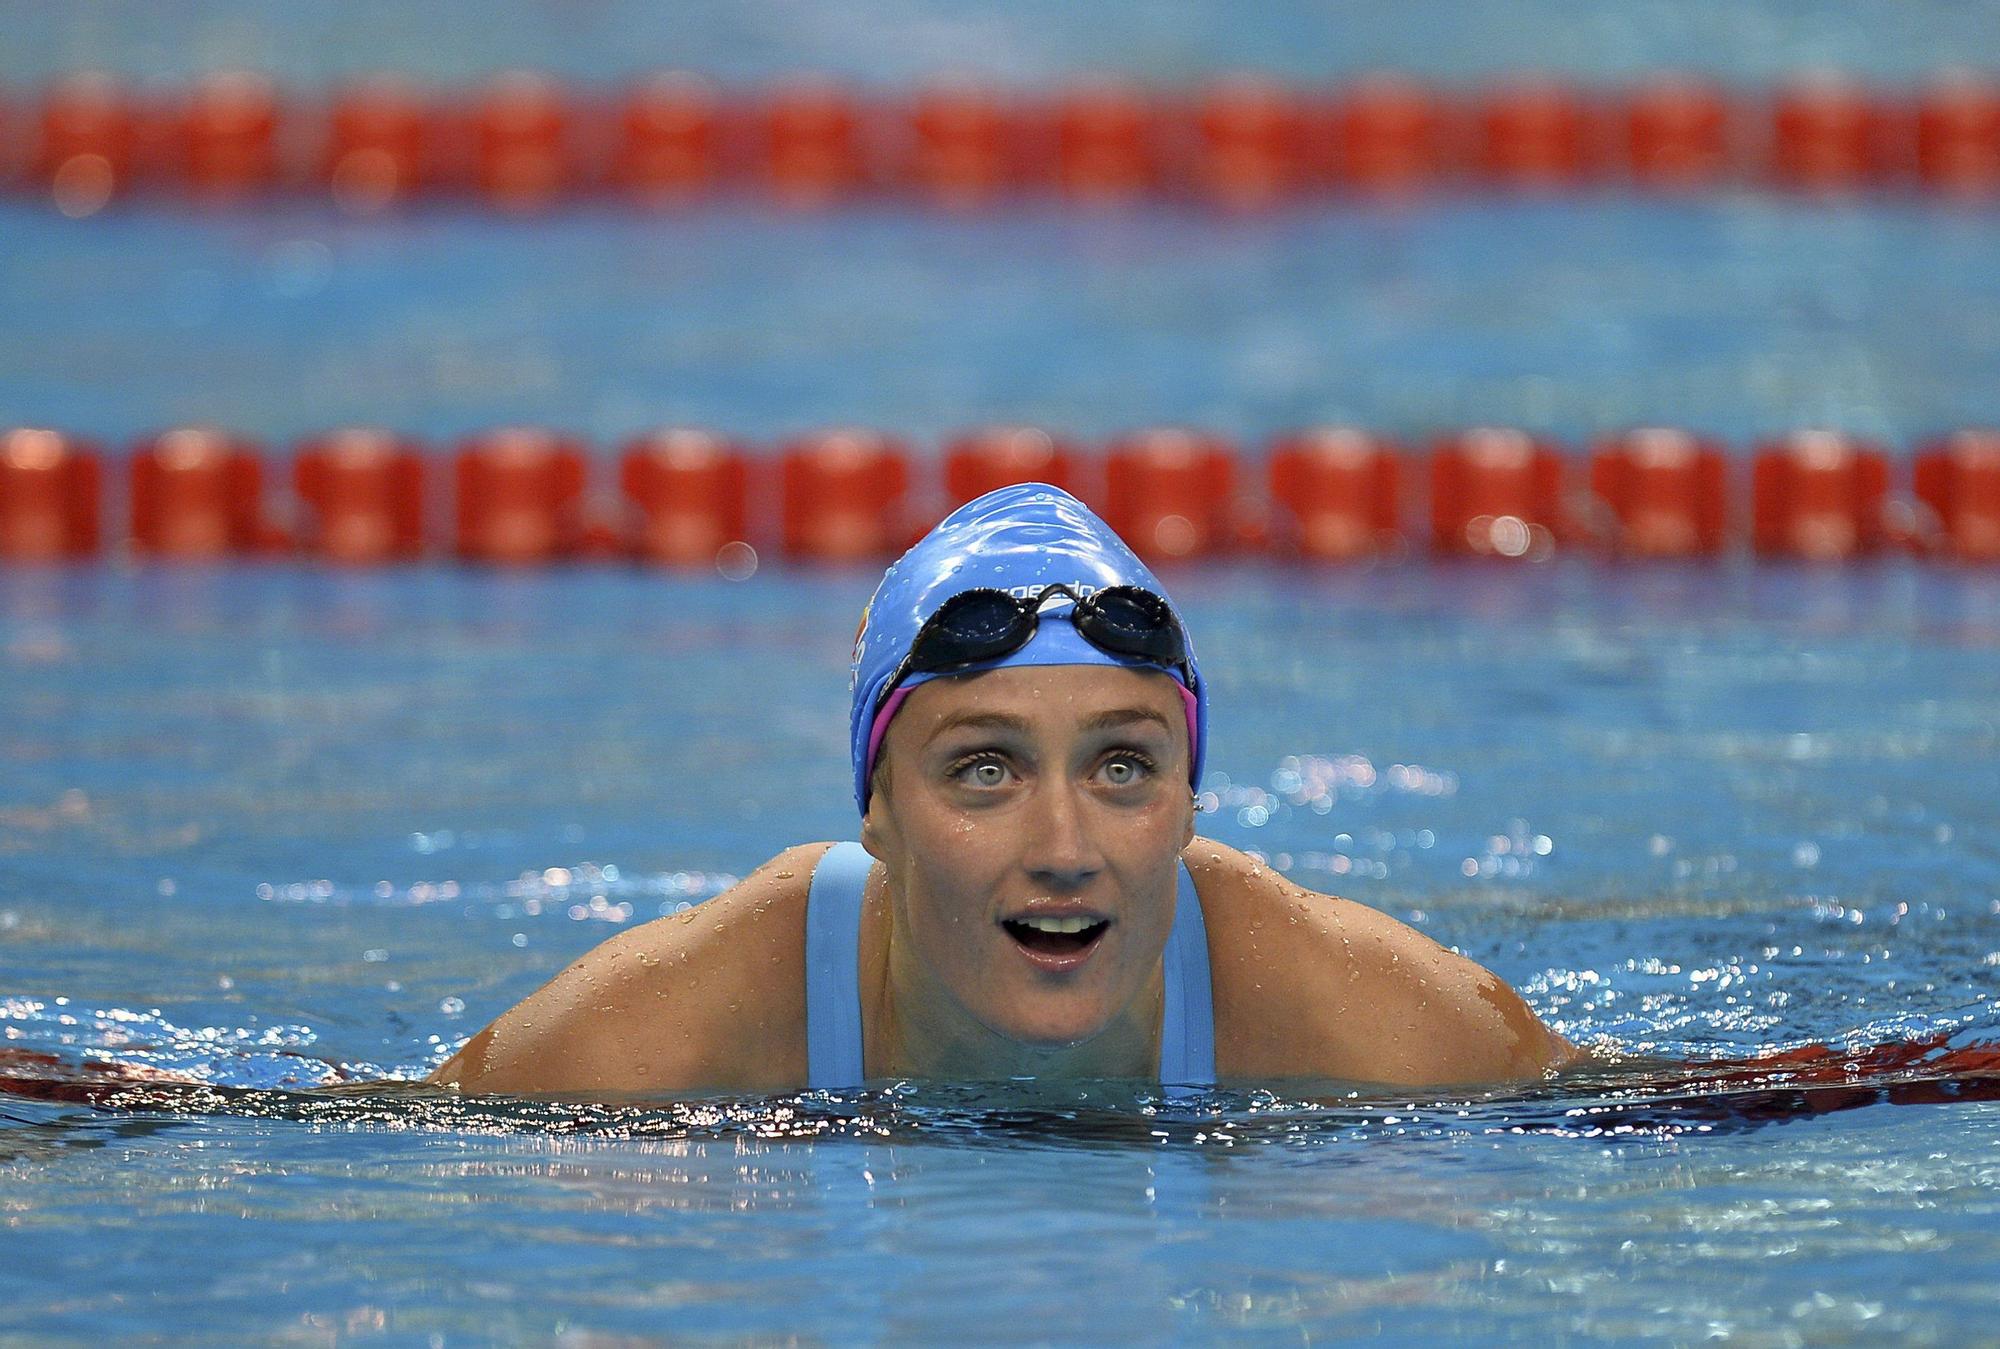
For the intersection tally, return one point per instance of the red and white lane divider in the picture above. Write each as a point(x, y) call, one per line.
point(692, 498)
point(523, 141)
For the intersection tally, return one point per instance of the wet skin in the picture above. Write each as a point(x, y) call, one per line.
point(1021, 794)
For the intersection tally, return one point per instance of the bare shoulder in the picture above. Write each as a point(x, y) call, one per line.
point(711, 997)
point(1310, 985)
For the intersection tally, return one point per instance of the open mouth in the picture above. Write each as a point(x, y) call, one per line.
point(1056, 936)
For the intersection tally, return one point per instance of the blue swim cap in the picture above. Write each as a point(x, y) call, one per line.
point(1020, 539)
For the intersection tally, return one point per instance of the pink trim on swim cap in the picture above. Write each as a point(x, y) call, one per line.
point(881, 727)
point(894, 703)
point(1189, 704)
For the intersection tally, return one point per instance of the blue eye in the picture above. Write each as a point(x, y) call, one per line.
point(1126, 769)
point(980, 772)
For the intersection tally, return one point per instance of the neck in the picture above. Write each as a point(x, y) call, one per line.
point(914, 1028)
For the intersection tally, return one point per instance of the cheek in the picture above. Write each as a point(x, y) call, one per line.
point(959, 865)
point(938, 836)
point(1165, 822)
point(1149, 847)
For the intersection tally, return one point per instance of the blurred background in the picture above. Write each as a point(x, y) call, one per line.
point(1736, 310)
point(886, 42)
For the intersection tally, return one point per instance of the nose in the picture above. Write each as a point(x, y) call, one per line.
point(1061, 849)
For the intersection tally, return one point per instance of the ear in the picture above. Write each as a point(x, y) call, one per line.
point(877, 829)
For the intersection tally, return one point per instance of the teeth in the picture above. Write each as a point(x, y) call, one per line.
point(1062, 925)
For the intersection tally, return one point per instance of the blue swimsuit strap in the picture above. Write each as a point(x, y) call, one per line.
point(833, 979)
point(1187, 1022)
point(833, 968)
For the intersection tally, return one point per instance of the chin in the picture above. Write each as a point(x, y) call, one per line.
point(1053, 1028)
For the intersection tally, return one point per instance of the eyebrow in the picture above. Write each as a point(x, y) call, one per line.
point(1003, 721)
point(1119, 716)
point(979, 721)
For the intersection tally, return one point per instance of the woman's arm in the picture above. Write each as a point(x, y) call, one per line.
point(1308, 985)
point(710, 998)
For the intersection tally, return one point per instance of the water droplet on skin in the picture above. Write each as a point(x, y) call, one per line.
point(785, 875)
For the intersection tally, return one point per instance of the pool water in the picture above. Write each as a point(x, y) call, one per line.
point(1737, 316)
point(290, 834)
point(271, 828)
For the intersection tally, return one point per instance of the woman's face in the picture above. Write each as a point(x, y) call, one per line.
point(1031, 821)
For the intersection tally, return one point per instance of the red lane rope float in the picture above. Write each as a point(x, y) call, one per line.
point(85, 150)
point(1336, 495)
point(1958, 480)
point(523, 141)
point(197, 496)
point(1666, 491)
point(1818, 495)
point(667, 141)
point(520, 496)
point(1538, 134)
point(844, 497)
point(809, 150)
point(1496, 492)
point(1250, 143)
point(1677, 134)
point(985, 461)
point(688, 491)
point(225, 138)
point(1385, 136)
point(1107, 143)
point(522, 156)
point(378, 147)
point(1958, 137)
point(687, 497)
point(49, 489)
point(1832, 135)
point(363, 497)
point(966, 146)
point(1168, 493)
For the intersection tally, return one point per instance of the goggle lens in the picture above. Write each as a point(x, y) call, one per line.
point(1132, 622)
point(971, 626)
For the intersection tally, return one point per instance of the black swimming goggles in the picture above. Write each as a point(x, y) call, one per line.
point(975, 626)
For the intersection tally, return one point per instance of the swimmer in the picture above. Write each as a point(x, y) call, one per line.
point(1028, 898)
